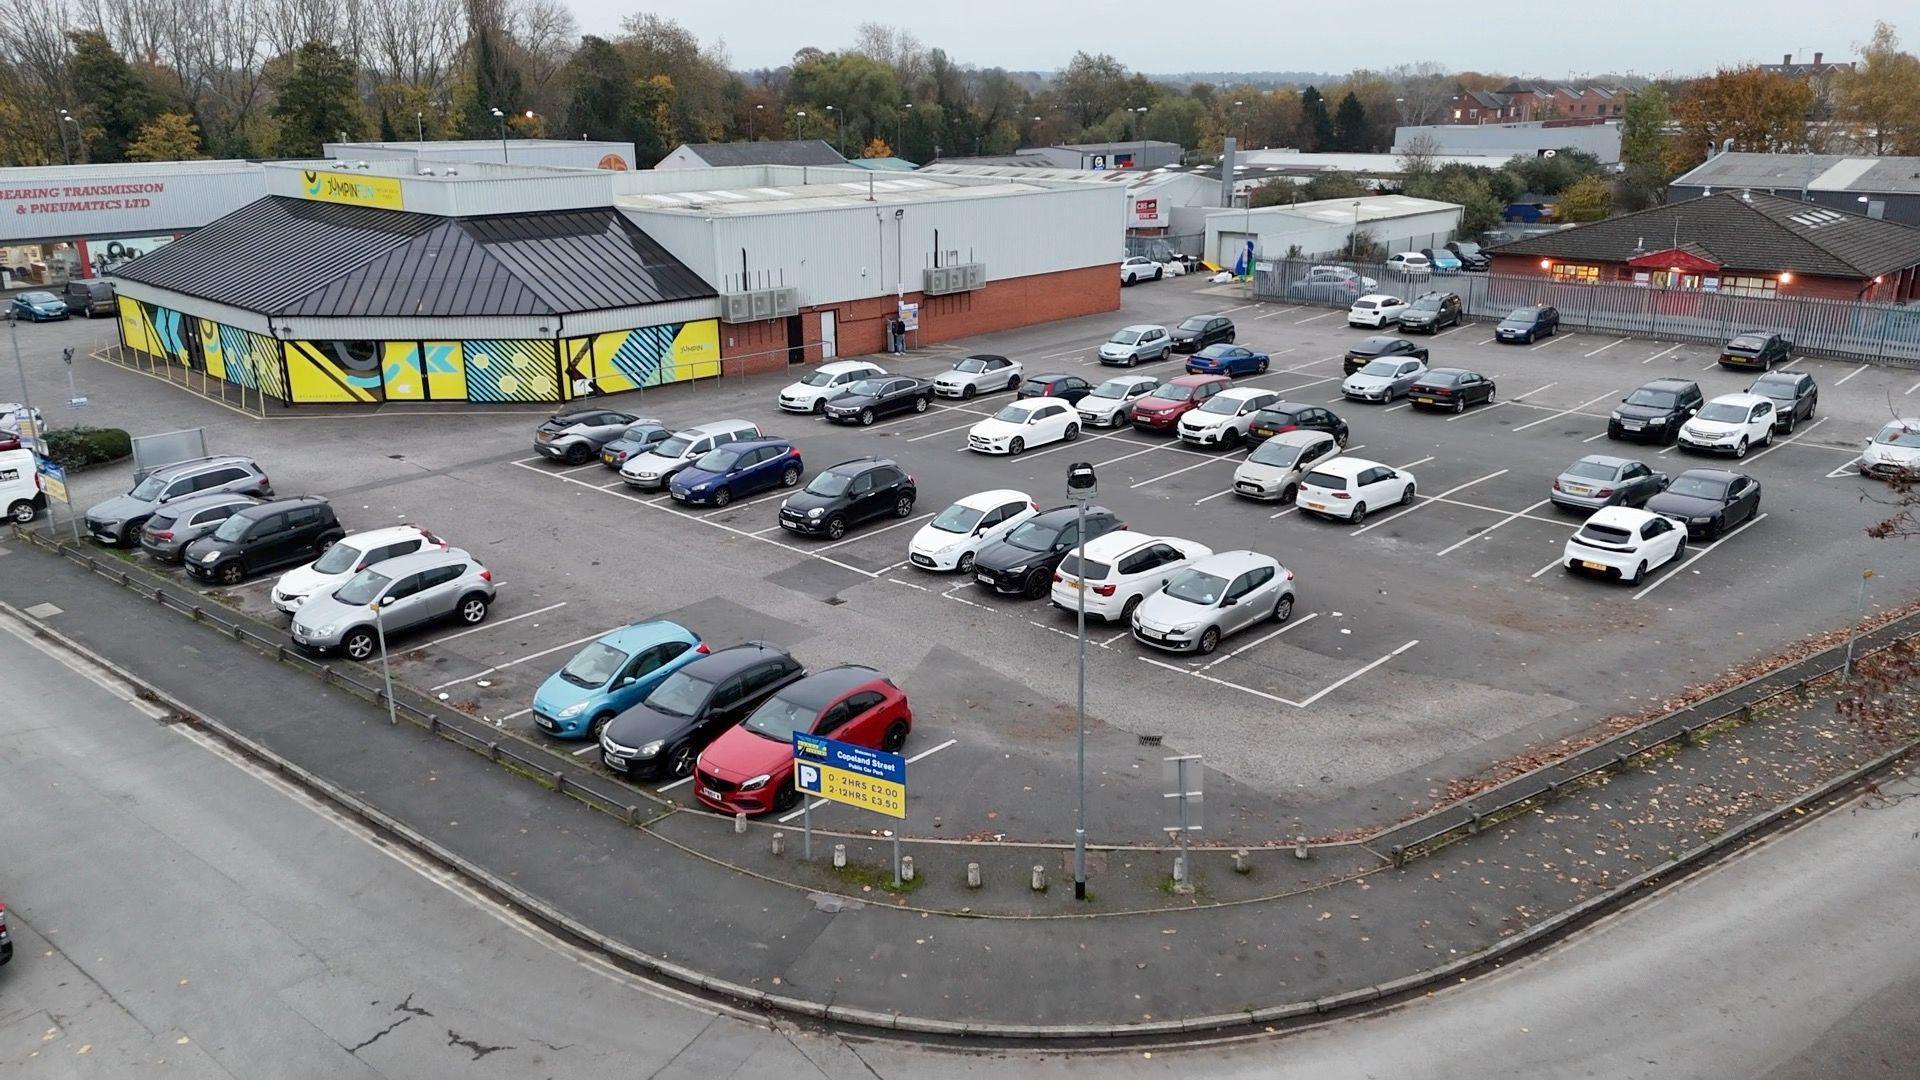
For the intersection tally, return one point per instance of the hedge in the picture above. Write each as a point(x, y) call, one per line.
point(84, 447)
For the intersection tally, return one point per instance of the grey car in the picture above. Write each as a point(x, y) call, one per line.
point(168, 531)
point(1599, 480)
point(1383, 379)
point(576, 437)
point(1212, 598)
point(639, 437)
point(410, 591)
point(117, 521)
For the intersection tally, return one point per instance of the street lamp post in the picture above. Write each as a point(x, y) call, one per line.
point(799, 123)
point(502, 117)
point(386, 671)
point(61, 123)
point(900, 129)
point(840, 115)
point(420, 128)
point(752, 119)
point(1081, 488)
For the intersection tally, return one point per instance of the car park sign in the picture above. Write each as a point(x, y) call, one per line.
point(855, 775)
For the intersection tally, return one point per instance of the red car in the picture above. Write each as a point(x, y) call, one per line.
point(1175, 398)
point(749, 768)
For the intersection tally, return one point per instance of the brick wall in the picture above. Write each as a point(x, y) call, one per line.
point(1826, 288)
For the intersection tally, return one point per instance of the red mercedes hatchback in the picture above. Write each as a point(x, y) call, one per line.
point(1178, 396)
point(749, 768)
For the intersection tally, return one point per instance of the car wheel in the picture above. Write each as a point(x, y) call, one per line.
point(1639, 572)
point(967, 392)
point(232, 573)
point(1073, 432)
point(1769, 439)
point(820, 407)
point(1527, 340)
point(920, 404)
point(473, 609)
point(1283, 608)
point(836, 527)
point(1261, 367)
point(578, 454)
point(722, 497)
point(1791, 421)
point(1036, 584)
point(597, 725)
point(23, 511)
point(680, 762)
point(1459, 404)
point(1126, 612)
point(1289, 494)
point(786, 798)
point(359, 644)
point(1230, 438)
point(965, 564)
point(1157, 274)
point(1406, 497)
point(1132, 360)
point(790, 477)
point(866, 417)
point(1166, 353)
point(1740, 450)
point(1492, 392)
point(1209, 641)
point(1013, 383)
point(1359, 513)
point(1017, 447)
point(321, 545)
point(903, 507)
point(1714, 529)
point(1341, 439)
point(895, 738)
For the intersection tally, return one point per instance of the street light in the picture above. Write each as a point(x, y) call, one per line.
point(1136, 114)
point(65, 118)
point(420, 128)
point(841, 115)
point(900, 129)
point(502, 117)
point(380, 629)
point(799, 122)
point(752, 118)
point(1081, 489)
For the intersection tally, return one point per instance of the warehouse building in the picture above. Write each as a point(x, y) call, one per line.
point(437, 154)
point(1879, 187)
point(1395, 222)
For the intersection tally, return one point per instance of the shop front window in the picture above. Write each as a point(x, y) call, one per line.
point(1749, 286)
point(1576, 274)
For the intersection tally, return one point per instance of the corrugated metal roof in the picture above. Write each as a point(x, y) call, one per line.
point(1814, 172)
point(767, 152)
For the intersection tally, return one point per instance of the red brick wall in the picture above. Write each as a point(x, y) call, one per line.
point(1801, 285)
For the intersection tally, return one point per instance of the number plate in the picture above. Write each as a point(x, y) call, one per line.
point(785, 524)
point(709, 793)
point(983, 579)
point(1424, 400)
point(1632, 425)
point(1316, 506)
point(1593, 565)
point(1071, 584)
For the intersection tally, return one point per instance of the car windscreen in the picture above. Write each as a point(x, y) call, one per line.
point(339, 559)
point(1171, 393)
point(592, 666)
point(779, 718)
point(1427, 303)
point(1373, 346)
point(1525, 314)
point(1606, 534)
point(1278, 454)
point(1364, 305)
point(1327, 480)
point(1747, 342)
point(1700, 487)
point(1096, 570)
point(150, 488)
point(38, 297)
point(971, 365)
point(1221, 403)
point(673, 446)
point(1111, 389)
point(1125, 337)
point(1014, 414)
point(868, 387)
point(1197, 587)
point(719, 461)
point(1654, 399)
point(1034, 536)
point(1898, 435)
point(1467, 248)
point(639, 430)
point(818, 378)
point(1197, 323)
point(233, 528)
point(958, 519)
point(1381, 367)
point(1593, 470)
point(829, 484)
point(680, 695)
point(1724, 412)
point(362, 589)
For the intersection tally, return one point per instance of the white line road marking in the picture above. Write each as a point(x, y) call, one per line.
point(1436, 498)
point(1658, 355)
point(1911, 389)
point(1114, 638)
point(1218, 682)
point(1607, 346)
point(1124, 457)
point(1302, 621)
point(513, 716)
point(587, 749)
point(1851, 468)
point(943, 431)
point(1177, 472)
point(877, 532)
point(818, 803)
point(1670, 449)
point(520, 660)
point(610, 487)
point(669, 787)
point(777, 493)
point(1851, 374)
point(1419, 461)
point(1063, 444)
point(1716, 363)
point(1210, 498)
point(1788, 441)
point(1561, 561)
point(1316, 318)
point(1495, 525)
point(1069, 352)
point(1276, 311)
point(1397, 408)
point(1563, 412)
point(1556, 337)
point(1699, 555)
point(1231, 310)
point(488, 626)
point(1342, 682)
point(1483, 507)
point(580, 468)
point(1283, 513)
point(1591, 438)
point(1489, 341)
point(1521, 400)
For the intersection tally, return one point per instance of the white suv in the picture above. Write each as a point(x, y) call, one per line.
point(1377, 309)
point(1121, 569)
point(811, 394)
point(1730, 424)
point(1140, 268)
point(1226, 416)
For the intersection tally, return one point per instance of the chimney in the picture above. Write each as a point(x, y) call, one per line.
point(1816, 58)
point(1227, 148)
point(1786, 60)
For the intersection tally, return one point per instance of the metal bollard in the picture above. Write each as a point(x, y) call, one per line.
point(839, 856)
point(1473, 824)
point(1039, 878)
point(1300, 846)
point(1240, 863)
point(559, 781)
point(973, 875)
point(779, 842)
point(906, 868)
point(1399, 855)
point(739, 823)
point(633, 814)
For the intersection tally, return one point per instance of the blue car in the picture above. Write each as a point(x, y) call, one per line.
point(737, 469)
point(611, 675)
point(1444, 261)
point(1227, 360)
point(38, 307)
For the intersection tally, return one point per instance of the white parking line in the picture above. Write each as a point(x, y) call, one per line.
point(580, 468)
point(1284, 513)
point(1607, 346)
point(1591, 438)
point(488, 626)
point(1316, 318)
point(877, 532)
point(1698, 556)
point(1114, 638)
point(519, 660)
point(1788, 441)
point(1323, 692)
point(1189, 468)
point(514, 715)
point(943, 431)
point(1397, 408)
point(1911, 389)
point(1711, 364)
point(1563, 412)
point(1069, 352)
point(1850, 374)
point(1484, 508)
point(1659, 354)
point(1561, 561)
point(587, 749)
point(1302, 621)
point(1495, 525)
point(1342, 682)
point(1417, 461)
point(1210, 498)
point(1521, 400)
point(688, 779)
point(1489, 341)
point(1556, 337)
point(1124, 457)
point(818, 803)
point(1231, 310)
point(1276, 311)
point(777, 493)
point(1418, 505)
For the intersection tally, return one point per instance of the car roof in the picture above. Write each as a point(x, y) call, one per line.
point(1622, 517)
point(823, 688)
point(1301, 437)
point(1227, 563)
point(1113, 544)
point(197, 464)
point(860, 464)
point(384, 534)
point(721, 663)
point(263, 509)
point(641, 635)
point(987, 500)
point(1721, 475)
point(424, 559)
point(1347, 466)
point(835, 367)
point(1240, 393)
point(1132, 380)
point(1669, 384)
point(1050, 376)
point(1449, 372)
point(1381, 339)
point(715, 427)
point(760, 440)
point(982, 356)
point(1143, 326)
point(1742, 398)
point(187, 504)
point(1784, 376)
point(1377, 296)
point(1437, 294)
point(1606, 459)
point(1288, 406)
point(1032, 403)
point(1060, 515)
point(1194, 380)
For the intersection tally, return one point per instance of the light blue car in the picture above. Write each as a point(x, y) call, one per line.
point(610, 675)
point(1444, 261)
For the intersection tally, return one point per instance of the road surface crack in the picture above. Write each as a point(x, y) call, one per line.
point(454, 1038)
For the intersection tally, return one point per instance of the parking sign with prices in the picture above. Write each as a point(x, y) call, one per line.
point(854, 775)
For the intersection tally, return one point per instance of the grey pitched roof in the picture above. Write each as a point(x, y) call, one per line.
point(784, 152)
point(1815, 172)
point(1742, 232)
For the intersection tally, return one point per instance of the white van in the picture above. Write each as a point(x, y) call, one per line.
point(20, 486)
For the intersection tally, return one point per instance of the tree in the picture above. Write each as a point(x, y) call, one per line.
point(1317, 124)
point(876, 148)
point(1092, 87)
point(316, 99)
point(114, 102)
point(168, 137)
point(1552, 175)
point(599, 84)
point(1418, 160)
point(1589, 198)
point(1758, 110)
point(1878, 102)
point(1645, 148)
point(700, 109)
point(861, 90)
point(496, 81)
point(1480, 209)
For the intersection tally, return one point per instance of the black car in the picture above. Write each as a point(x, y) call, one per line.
point(1655, 412)
point(1068, 388)
point(664, 734)
point(1756, 349)
point(1794, 397)
point(1709, 501)
point(1378, 346)
point(1433, 312)
point(91, 297)
point(847, 494)
point(1201, 331)
point(1525, 324)
point(1023, 563)
point(882, 395)
point(1451, 388)
point(264, 537)
point(1284, 416)
point(1470, 255)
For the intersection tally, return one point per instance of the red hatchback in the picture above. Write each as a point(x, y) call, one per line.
point(749, 768)
point(1162, 409)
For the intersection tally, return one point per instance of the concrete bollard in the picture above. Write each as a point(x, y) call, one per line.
point(1039, 878)
point(839, 856)
point(739, 823)
point(973, 875)
point(906, 868)
point(1179, 868)
point(779, 842)
point(1240, 863)
point(1300, 847)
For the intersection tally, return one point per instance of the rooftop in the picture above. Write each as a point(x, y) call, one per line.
point(30, 174)
point(766, 152)
point(1812, 172)
point(445, 145)
point(868, 190)
point(1343, 211)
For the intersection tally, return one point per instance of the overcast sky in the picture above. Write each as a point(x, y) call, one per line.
point(1549, 40)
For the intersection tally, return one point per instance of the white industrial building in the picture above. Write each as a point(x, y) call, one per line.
point(437, 154)
point(1397, 222)
point(1529, 138)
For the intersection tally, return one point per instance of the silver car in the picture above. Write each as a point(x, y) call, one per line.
point(1383, 379)
point(1599, 480)
point(576, 436)
point(1272, 472)
point(164, 536)
point(1144, 341)
point(1111, 403)
point(981, 373)
point(1215, 596)
point(409, 591)
point(117, 520)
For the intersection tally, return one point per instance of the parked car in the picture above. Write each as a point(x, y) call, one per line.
point(1284, 416)
point(848, 494)
point(1383, 380)
point(981, 373)
point(1068, 388)
point(817, 387)
point(91, 297)
point(1893, 451)
point(1623, 543)
point(1225, 417)
point(1023, 425)
point(1140, 268)
point(1212, 598)
point(728, 472)
point(1525, 324)
point(1599, 480)
point(1442, 260)
point(117, 521)
point(867, 400)
point(1325, 290)
point(1200, 331)
point(640, 437)
point(1379, 347)
point(1376, 310)
point(1272, 473)
point(1173, 399)
point(37, 306)
point(577, 435)
point(955, 535)
point(413, 590)
point(264, 537)
point(610, 675)
point(663, 734)
point(11, 415)
point(20, 490)
point(1655, 411)
point(1756, 349)
point(1730, 423)
point(1410, 264)
point(1359, 282)
point(1130, 345)
point(1118, 571)
point(6, 941)
point(1709, 501)
point(1794, 396)
point(1023, 563)
point(348, 556)
point(1451, 388)
point(1348, 487)
point(749, 768)
point(1229, 360)
point(1432, 313)
point(1111, 403)
point(654, 469)
point(1470, 255)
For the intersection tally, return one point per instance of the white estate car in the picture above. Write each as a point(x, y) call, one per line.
point(1348, 487)
point(956, 534)
point(1122, 568)
point(1375, 309)
point(1730, 424)
point(810, 394)
point(1140, 268)
point(981, 373)
point(348, 556)
point(1023, 425)
point(1893, 451)
point(1111, 403)
point(1272, 473)
point(1624, 543)
point(1226, 416)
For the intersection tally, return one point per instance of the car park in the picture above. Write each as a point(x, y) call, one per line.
point(1432, 312)
point(1795, 397)
point(577, 435)
point(1058, 384)
point(1655, 411)
point(1212, 598)
point(1229, 360)
point(1023, 563)
point(610, 675)
point(1442, 260)
point(116, 521)
point(348, 556)
point(654, 469)
point(37, 306)
point(1379, 347)
point(428, 586)
point(1200, 331)
point(869, 399)
point(1111, 403)
point(1409, 264)
point(749, 768)
point(728, 472)
point(20, 492)
point(812, 392)
point(639, 437)
point(1225, 417)
point(1023, 425)
point(1376, 310)
point(264, 537)
point(1709, 501)
point(981, 373)
point(1139, 268)
point(1470, 255)
point(1599, 480)
point(846, 495)
point(1349, 487)
point(663, 734)
point(1623, 543)
point(1132, 344)
point(1451, 388)
point(1383, 380)
point(1525, 324)
point(1284, 416)
point(91, 297)
point(955, 535)
point(1730, 424)
point(1756, 348)
point(1273, 471)
point(1893, 452)
point(1113, 572)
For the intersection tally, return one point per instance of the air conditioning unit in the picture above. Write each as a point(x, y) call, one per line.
point(759, 304)
point(959, 278)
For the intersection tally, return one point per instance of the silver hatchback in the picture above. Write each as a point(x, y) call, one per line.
point(1213, 597)
point(1599, 480)
point(410, 591)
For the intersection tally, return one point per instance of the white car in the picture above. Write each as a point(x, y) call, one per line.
point(1225, 418)
point(1624, 543)
point(1383, 379)
point(1140, 268)
point(348, 556)
point(1729, 424)
point(981, 373)
point(1410, 263)
point(1215, 596)
point(956, 534)
point(1375, 309)
point(1893, 451)
point(1111, 403)
point(1121, 569)
point(1272, 473)
point(1348, 487)
point(1023, 425)
point(810, 394)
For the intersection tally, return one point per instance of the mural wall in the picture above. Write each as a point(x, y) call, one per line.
point(650, 356)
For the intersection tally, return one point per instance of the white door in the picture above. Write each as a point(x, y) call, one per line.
point(829, 342)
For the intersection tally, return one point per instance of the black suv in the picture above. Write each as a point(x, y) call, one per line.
point(1024, 562)
point(1794, 395)
point(881, 395)
point(847, 494)
point(1432, 313)
point(264, 537)
point(1201, 331)
point(1284, 416)
point(1655, 412)
point(1469, 254)
point(664, 734)
point(90, 297)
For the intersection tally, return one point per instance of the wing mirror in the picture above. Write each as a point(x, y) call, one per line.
point(386, 601)
point(628, 680)
point(1228, 601)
